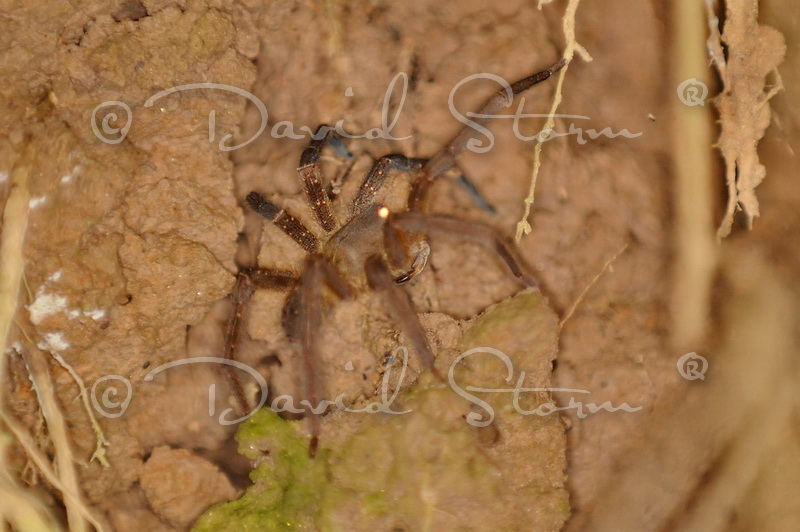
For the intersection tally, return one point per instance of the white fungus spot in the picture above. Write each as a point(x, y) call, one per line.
point(75, 171)
point(96, 314)
point(54, 342)
point(44, 305)
point(14, 349)
point(35, 202)
point(3, 177)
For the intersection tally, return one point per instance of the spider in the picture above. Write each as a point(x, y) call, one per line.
point(375, 248)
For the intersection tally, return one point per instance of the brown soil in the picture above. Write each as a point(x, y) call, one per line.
point(133, 245)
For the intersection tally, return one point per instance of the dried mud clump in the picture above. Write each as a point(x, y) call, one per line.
point(180, 485)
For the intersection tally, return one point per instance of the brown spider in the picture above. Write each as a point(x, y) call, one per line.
point(373, 249)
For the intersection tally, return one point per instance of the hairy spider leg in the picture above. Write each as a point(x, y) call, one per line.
point(318, 273)
point(401, 309)
point(377, 176)
point(311, 175)
point(446, 157)
point(387, 165)
point(247, 281)
point(286, 221)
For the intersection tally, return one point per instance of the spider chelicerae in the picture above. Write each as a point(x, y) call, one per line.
point(375, 248)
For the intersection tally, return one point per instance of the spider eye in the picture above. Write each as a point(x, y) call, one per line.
point(383, 212)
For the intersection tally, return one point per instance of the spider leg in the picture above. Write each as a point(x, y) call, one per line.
point(247, 281)
point(474, 192)
point(318, 272)
point(477, 232)
point(267, 278)
point(447, 156)
point(384, 167)
point(401, 309)
point(285, 220)
point(377, 176)
point(311, 175)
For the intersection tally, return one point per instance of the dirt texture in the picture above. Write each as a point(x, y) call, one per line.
point(136, 226)
point(179, 486)
point(129, 243)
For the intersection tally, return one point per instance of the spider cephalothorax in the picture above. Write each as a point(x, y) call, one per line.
point(374, 248)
